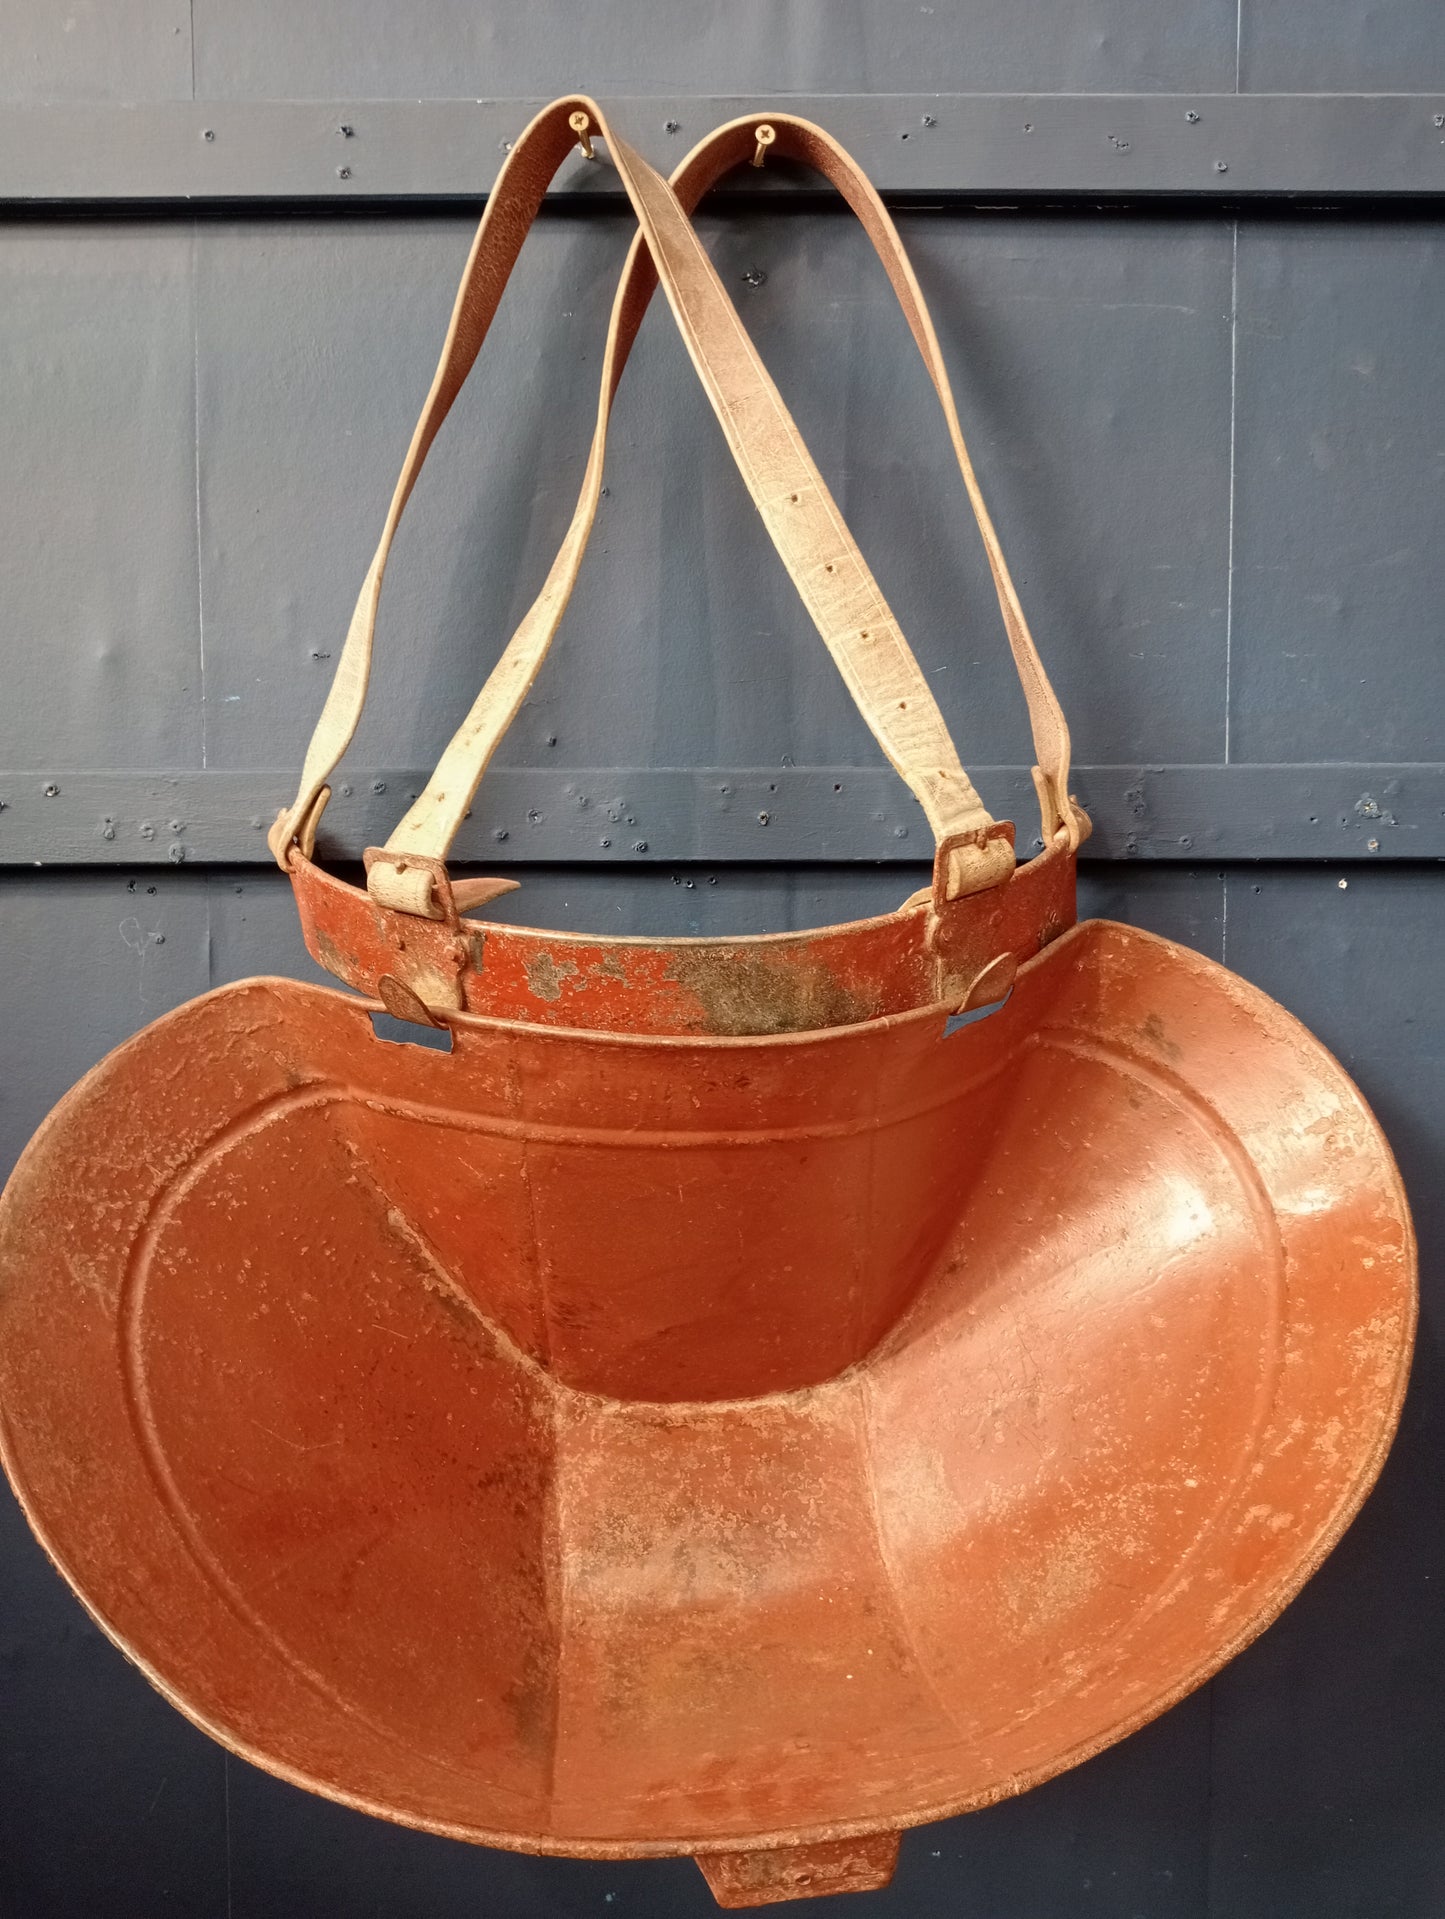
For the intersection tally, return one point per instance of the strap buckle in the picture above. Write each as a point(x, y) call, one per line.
point(972, 862)
point(417, 884)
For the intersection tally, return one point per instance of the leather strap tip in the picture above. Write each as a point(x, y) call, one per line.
point(295, 829)
point(1060, 811)
point(470, 894)
point(280, 839)
point(402, 1003)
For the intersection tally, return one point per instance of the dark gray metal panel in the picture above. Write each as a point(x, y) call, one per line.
point(1339, 493)
point(621, 817)
point(1337, 43)
point(88, 961)
point(1329, 1797)
point(1062, 146)
point(685, 643)
point(98, 507)
point(110, 1801)
point(315, 349)
point(95, 50)
point(369, 49)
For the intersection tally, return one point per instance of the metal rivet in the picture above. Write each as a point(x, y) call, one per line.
point(604, 842)
point(343, 173)
point(755, 277)
point(378, 786)
point(639, 846)
point(671, 126)
point(763, 818)
point(52, 790)
point(208, 133)
point(499, 833)
point(928, 121)
point(345, 131)
point(1221, 166)
point(1192, 117)
point(1440, 119)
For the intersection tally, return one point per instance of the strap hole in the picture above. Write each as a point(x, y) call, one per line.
point(975, 1013)
point(401, 1032)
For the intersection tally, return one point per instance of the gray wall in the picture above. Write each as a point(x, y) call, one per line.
point(1214, 445)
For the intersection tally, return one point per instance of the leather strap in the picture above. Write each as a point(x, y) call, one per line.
point(802, 518)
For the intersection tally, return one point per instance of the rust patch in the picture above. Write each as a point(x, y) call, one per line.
point(545, 975)
point(741, 992)
point(610, 967)
point(1152, 1029)
point(333, 959)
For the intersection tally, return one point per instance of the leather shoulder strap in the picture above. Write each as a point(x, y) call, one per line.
point(801, 516)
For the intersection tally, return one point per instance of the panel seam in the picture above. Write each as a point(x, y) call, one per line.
point(196, 448)
point(1229, 548)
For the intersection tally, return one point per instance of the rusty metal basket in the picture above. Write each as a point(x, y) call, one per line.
point(732, 1402)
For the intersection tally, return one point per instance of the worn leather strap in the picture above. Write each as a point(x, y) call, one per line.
point(805, 524)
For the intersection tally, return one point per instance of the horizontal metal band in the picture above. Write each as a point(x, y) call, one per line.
point(790, 814)
point(1062, 147)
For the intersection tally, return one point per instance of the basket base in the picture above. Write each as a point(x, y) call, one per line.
point(767, 1877)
